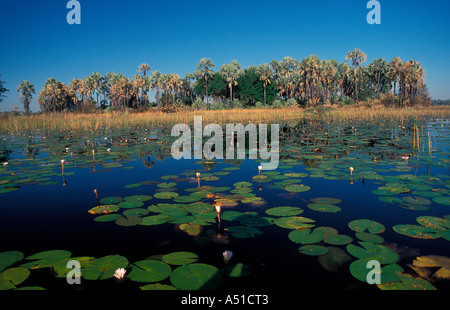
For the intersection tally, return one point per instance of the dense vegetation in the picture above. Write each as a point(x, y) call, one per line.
point(308, 82)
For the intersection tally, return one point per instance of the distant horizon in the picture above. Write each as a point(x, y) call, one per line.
point(172, 37)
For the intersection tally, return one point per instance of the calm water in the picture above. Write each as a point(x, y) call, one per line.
point(49, 210)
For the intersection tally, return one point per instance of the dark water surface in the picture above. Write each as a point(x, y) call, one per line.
point(41, 216)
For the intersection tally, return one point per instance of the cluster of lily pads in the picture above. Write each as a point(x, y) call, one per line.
point(386, 157)
point(171, 271)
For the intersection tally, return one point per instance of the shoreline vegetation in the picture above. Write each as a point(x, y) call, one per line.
point(62, 121)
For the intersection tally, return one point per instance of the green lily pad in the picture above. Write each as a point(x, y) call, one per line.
point(196, 276)
point(185, 199)
point(166, 184)
point(111, 200)
point(104, 267)
point(364, 236)
point(306, 236)
point(128, 221)
point(165, 195)
point(284, 211)
point(297, 188)
point(237, 270)
point(407, 282)
point(416, 231)
point(293, 222)
point(107, 218)
point(338, 239)
point(149, 271)
point(243, 184)
point(443, 200)
point(313, 250)
point(157, 287)
point(434, 222)
point(321, 207)
point(46, 259)
point(180, 258)
point(364, 224)
point(359, 270)
point(326, 200)
point(154, 220)
point(373, 251)
point(138, 198)
point(132, 204)
point(12, 277)
point(136, 212)
point(8, 258)
point(417, 200)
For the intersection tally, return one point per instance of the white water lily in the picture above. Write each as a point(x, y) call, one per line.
point(227, 256)
point(351, 170)
point(5, 163)
point(120, 273)
point(198, 175)
point(218, 209)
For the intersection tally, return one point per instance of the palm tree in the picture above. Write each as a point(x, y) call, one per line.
point(144, 68)
point(266, 74)
point(156, 83)
point(395, 68)
point(309, 68)
point(26, 90)
point(2, 90)
point(356, 57)
point(204, 70)
point(231, 72)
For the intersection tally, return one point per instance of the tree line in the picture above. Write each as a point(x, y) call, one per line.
point(308, 82)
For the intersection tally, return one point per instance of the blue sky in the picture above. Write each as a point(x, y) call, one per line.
point(172, 36)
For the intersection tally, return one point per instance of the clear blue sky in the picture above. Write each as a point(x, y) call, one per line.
point(172, 36)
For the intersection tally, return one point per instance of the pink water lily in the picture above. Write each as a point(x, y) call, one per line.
point(120, 273)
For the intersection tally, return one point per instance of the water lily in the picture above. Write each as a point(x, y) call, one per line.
point(227, 256)
point(5, 163)
point(218, 209)
point(259, 170)
point(351, 170)
point(198, 178)
point(405, 157)
point(120, 273)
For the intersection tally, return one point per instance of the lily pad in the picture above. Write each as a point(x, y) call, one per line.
point(338, 239)
point(313, 250)
point(374, 251)
point(306, 236)
point(297, 188)
point(12, 277)
point(8, 258)
point(237, 270)
point(165, 195)
point(104, 267)
point(196, 276)
point(416, 231)
point(149, 271)
point(293, 222)
point(364, 224)
point(180, 258)
point(407, 282)
point(104, 209)
point(284, 211)
point(322, 207)
point(326, 200)
point(46, 259)
point(359, 270)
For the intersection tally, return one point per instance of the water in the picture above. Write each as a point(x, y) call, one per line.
point(38, 217)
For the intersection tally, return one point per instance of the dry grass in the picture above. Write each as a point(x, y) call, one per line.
point(115, 120)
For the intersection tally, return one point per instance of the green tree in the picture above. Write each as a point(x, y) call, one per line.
point(26, 91)
point(3, 90)
point(231, 72)
point(204, 71)
point(356, 57)
point(265, 76)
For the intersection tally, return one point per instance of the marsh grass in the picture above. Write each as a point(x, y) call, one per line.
point(16, 124)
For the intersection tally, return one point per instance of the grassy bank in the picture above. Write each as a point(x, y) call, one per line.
point(69, 121)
